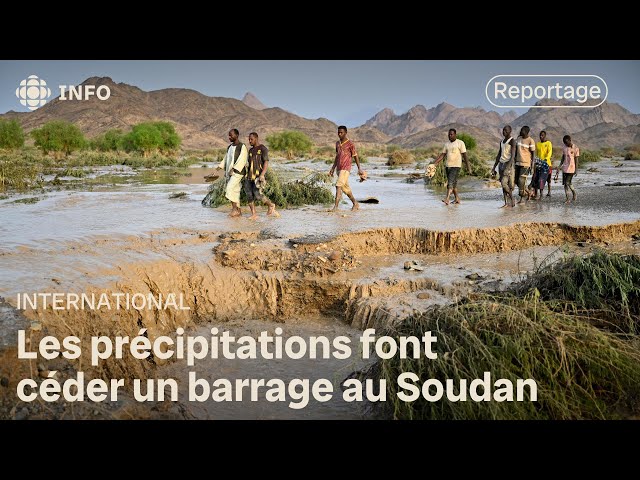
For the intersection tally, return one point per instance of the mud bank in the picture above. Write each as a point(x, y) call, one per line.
point(354, 280)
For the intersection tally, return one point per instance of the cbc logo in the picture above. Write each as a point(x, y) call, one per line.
point(33, 92)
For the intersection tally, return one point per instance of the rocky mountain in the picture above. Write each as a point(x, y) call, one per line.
point(420, 118)
point(252, 101)
point(607, 135)
point(574, 120)
point(202, 121)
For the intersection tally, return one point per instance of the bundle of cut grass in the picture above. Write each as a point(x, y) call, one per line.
point(400, 157)
point(310, 190)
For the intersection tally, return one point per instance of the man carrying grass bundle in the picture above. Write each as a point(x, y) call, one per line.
point(255, 181)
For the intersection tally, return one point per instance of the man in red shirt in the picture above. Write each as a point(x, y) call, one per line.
point(345, 150)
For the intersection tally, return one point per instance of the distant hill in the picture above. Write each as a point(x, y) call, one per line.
point(420, 118)
point(574, 120)
point(202, 121)
point(252, 101)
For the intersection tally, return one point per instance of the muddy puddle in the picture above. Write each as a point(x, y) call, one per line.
point(309, 272)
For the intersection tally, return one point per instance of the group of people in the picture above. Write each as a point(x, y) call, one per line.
point(518, 157)
point(515, 160)
point(247, 168)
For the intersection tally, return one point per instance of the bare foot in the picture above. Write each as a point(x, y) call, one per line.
point(446, 202)
point(503, 205)
point(236, 213)
point(457, 201)
point(356, 206)
point(567, 201)
point(332, 210)
point(272, 211)
point(548, 194)
point(253, 217)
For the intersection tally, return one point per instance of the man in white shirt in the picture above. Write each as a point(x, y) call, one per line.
point(234, 165)
point(455, 151)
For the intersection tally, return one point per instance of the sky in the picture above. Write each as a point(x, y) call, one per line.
point(347, 91)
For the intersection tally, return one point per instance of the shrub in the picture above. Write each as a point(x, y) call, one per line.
point(290, 142)
point(589, 156)
point(11, 134)
point(58, 136)
point(468, 140)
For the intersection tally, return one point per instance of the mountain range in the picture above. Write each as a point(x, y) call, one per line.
point(203, 121)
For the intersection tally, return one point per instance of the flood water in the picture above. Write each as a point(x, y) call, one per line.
point(141, 209)
point(61, 241)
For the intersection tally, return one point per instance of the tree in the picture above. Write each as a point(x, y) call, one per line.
point(148, 137)
point(58, 136)
point(11, 134)
point(170, 139)
point(110, 141)
point(468, 140)
point(290, 142)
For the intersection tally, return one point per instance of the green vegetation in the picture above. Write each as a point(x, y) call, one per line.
point(11, 135)
point(374, 151)
point(58, 137)
point(632, 152)
point(469, 141)
point(608, 152)
point(27, 200)
point(290, 142)
point(583, 369)
point(603, 283)
point(16, 176)
point(587, 156)
point(150, 137)
point(110, 141)
point(310, 190)
point(392, 148)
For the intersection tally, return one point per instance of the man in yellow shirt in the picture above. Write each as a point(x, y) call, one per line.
point(542, 166)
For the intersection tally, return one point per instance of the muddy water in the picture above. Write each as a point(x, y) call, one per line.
point(69, 240)
point(285, 369)
point(139, 209)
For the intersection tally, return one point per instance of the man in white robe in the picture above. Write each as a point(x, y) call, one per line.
point(234, 165)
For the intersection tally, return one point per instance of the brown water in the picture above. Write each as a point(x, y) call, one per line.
point(333, 370)
point(72, 239)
